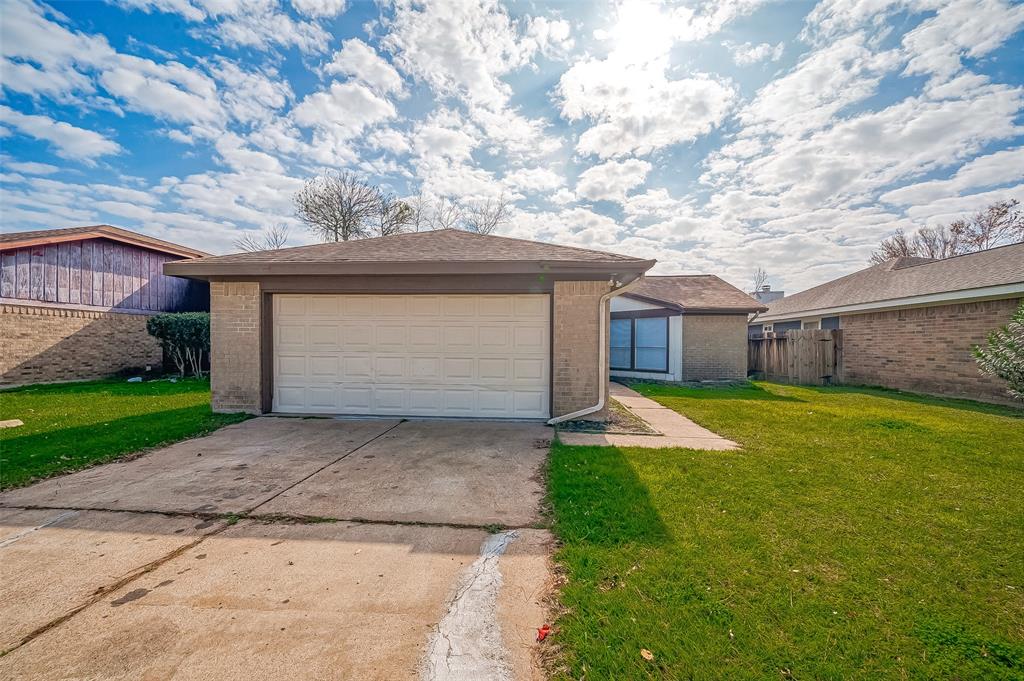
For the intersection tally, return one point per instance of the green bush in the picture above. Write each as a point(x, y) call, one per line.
point(185, 337)
point(1003, 354)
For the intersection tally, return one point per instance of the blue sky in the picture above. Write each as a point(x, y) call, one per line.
point(713, 136)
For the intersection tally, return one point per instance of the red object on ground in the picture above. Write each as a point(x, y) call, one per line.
point(543, 632)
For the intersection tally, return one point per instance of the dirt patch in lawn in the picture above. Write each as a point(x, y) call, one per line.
point(620, 420)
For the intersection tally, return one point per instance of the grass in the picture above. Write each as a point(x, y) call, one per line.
point(74, 425)
point(859, 534)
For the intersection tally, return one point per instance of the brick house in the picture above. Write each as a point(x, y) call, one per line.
point(74, 302)
point(442, 323)
point(910, 323)
point(681, 328)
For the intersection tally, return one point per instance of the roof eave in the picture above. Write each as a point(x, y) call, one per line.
point(155, 245)
point(198, 269)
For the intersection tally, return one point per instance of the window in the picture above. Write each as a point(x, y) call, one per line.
point(830, 322)
point(639, 344)
point(783, 327)
point(811, 324)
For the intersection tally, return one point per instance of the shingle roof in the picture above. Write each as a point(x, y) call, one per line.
point(907, 277)
point(695, 292)
point(43, 236)
point(446, 248)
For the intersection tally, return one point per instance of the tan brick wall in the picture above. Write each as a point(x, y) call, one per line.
point(576, 380)
point(925, 349)
point(714, 347)
point(235, 363)
point(49, 344)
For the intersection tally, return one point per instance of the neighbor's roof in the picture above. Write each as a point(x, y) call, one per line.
point(446, 251)
point(12, 240)
point(899, 279)
point(695, 293)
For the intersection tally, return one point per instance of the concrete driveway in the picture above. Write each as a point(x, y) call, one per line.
point(285, 547)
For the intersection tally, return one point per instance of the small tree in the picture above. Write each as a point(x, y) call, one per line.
point(184, 336)
point(760, 278)
point(483, 217)
point(273, 238)
point(1003, 354)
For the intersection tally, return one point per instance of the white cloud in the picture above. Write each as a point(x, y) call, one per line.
point(534, 179)
point(1002, 167)
point(362, 63)
point(746, 54)
point(70, 142)
point(320, 8)
point(610, 181)
point(170, 90)
point(634, 105)
point(30, 167)
point(345, 110)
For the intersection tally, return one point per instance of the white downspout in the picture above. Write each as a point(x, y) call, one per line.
point(602, 362)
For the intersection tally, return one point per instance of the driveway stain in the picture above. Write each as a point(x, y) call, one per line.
point(133, 595)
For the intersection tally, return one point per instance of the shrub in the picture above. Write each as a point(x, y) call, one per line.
point(1003, 354)
point(185, 337)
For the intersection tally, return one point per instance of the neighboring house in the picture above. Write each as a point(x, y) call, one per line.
point(441, 323)
point(766, 295)
point(910, 323)
point(681, 328)
point(74, 302)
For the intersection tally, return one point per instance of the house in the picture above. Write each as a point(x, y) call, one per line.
point(74, 302)
point(681, 328)
point(910, 323)
point(442, 323)
point(766, 295)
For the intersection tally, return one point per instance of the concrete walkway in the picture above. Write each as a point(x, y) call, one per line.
point(676, 430)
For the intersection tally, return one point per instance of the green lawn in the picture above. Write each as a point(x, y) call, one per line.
point(860, 534)
point(73, 425)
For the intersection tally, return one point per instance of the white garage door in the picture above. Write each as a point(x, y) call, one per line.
point(416, 355)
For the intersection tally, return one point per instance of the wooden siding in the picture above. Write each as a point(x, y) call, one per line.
point(98, 273)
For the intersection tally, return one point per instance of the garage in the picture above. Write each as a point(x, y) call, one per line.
point(469, 355)
point(443, 323)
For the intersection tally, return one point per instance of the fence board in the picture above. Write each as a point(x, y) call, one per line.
point(806, 357)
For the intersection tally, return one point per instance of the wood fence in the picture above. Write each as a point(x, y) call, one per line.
point(806, 357)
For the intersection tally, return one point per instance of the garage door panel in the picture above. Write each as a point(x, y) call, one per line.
point(391, 338)
point(530, 306)
point(357, 369)
point(431, 355)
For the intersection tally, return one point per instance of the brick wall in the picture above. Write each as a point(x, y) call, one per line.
point(576, 381)
point(47, 344)
point(235, 364)
point(714, 347)
point(925, 349)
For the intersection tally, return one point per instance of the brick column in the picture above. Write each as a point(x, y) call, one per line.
point(576, 382)
point(235, 362)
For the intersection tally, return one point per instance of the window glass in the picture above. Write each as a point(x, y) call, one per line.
point(830, 323)
point(621, 342)
point(652, 343)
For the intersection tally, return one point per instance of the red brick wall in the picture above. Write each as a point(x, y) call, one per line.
point(926, 349)
point(46, 344)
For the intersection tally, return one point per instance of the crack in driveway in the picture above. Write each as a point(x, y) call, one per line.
point(467, 644)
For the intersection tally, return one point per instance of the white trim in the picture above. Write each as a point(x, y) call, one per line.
point(944, 298)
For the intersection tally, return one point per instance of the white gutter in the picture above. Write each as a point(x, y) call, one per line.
point(602, 362)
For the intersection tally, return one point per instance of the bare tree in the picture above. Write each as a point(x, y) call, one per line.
point(338, 206)
point(486, 216)
point(270, 239)
point(999, 224)
point(447, 214)
point(420, 212)
point(393, 216)
point(760, 279)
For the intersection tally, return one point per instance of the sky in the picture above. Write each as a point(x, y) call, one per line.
point(716, 137)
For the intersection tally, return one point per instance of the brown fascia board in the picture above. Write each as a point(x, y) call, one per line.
point(152, 245)
point(197, 269)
